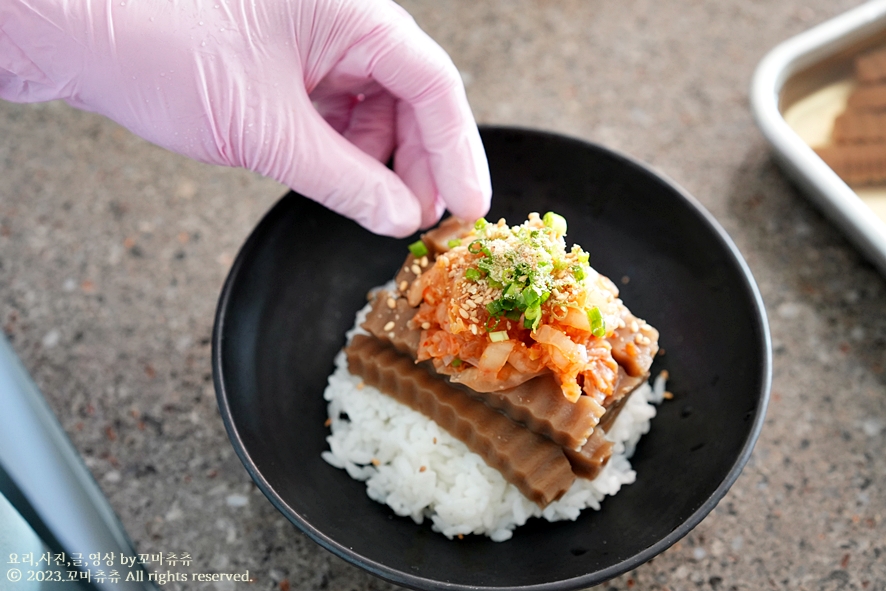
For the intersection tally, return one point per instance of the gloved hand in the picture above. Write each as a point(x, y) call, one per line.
point(316, 94)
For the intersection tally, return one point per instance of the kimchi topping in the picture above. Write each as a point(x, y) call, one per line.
point(507, 303)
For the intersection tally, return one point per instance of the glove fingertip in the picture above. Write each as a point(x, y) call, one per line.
point(392, 210)
point(432, 212)
point(470, 209)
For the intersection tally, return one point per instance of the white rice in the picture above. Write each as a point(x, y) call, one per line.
point(421, 471)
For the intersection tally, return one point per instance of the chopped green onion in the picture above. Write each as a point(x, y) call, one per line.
point(583, 257)
point(492, 323)
point(472, 274)
point(476, 247)
point(598, 326)
point(531, 323)
point(494, 307)
point(530, 295)
point(418, 249)
point(555, 222)
point(579, 272)
point(509, 298)
point(454, 242)
point(498, 336)
point(455, 362)
point(532, 317)
point(480, 224)
point(519, 302)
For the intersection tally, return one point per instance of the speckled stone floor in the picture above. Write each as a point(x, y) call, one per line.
point(113, 252)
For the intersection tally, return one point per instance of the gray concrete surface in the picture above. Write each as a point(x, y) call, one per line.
point(112, 254)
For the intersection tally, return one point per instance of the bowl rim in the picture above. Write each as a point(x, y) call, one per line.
point(418, 582)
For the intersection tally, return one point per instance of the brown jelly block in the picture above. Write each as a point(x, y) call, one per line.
point(390, 323)
point(871, 66)
point(406, 273)
point(592, 457)
point(540, 405)
point(868, 97)
point(595, 453)
point(853, 127)
point(634, 350)
point(857, 164)
point(452, 228)
point(534, 464)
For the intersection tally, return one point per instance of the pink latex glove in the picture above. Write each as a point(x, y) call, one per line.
point(316, 94)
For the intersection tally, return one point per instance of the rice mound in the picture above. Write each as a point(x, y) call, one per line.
point(421, 471)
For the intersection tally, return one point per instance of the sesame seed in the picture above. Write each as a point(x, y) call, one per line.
point(462, 312)
point(443, 260)
point(424, 261)
point(473, 329)
point(392, 303)
point(375, 461)
point(422, 469)
point(404, 285)
point(360, 385)
point(416, 270)
point(426, 325)
point(435, 440)
point(389, 326)
point(634, 326)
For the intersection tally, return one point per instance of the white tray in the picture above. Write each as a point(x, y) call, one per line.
point(797, 91)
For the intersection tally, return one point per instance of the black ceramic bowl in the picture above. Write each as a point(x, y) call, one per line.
point(304, 272)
